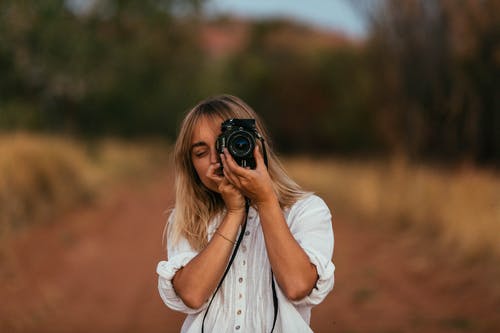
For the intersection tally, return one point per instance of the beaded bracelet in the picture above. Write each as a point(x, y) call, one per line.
point(218, 233)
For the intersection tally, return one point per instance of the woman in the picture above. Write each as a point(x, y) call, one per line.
point(282, 266)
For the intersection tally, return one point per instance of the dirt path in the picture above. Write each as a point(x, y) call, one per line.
point(93, 270)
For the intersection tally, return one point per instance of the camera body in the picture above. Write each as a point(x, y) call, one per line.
point(239, 137)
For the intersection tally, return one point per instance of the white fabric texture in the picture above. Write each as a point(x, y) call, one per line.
point(244, 302)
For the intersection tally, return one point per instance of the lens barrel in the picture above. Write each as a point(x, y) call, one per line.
point(241, 144)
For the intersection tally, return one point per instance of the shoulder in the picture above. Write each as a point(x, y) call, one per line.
point(310, 207)
point(308, 217)
point(309, 201)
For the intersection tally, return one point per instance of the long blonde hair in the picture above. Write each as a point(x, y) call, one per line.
point(196, 205)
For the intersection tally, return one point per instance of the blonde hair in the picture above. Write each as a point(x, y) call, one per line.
point(196, 205)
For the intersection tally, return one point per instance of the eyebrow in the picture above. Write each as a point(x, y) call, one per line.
point(198, 144)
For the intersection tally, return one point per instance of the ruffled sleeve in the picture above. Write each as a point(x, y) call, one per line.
point(178, 256)
point(310, 222)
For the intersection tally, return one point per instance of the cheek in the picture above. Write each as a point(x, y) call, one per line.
point(201, 168)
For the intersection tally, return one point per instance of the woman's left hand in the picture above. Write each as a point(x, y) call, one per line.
point(255, 184)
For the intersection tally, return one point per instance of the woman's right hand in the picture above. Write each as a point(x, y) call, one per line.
point(196, 281)
point(233, 198)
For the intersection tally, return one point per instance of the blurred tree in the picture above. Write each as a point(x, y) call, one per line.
point(312, 96)
point(439, 69)
point(114, 66)
point(425, 83)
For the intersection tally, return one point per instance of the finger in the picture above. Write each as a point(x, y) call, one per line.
point(212, 172)
point(259, 159)
point(223, 184)
point(228, 174)
point(212, 169)
point(233, 166)
point(225, 187)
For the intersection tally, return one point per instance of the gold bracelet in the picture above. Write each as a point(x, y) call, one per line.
point(218, 233)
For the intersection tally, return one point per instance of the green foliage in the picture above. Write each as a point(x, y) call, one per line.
point(116, 69)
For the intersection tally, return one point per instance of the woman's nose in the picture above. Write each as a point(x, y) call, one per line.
point(214, 157)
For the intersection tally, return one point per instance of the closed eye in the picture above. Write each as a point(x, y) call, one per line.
point(199, 149)
point(200, 153)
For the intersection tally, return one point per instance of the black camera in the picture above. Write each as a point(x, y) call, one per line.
point(239, 137)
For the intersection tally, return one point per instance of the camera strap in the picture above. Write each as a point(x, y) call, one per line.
point(235, 250)
point(273, 286)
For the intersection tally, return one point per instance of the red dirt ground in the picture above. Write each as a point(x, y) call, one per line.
point(93, 270)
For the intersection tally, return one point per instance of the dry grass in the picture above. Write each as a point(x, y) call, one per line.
point(41, 176)
point(117, 160)
point(460, 207)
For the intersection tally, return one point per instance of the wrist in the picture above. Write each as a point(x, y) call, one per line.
point(267, 201)
point(236, 214)
point(233, 219)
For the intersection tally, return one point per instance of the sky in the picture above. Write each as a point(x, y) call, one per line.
point(326, 14)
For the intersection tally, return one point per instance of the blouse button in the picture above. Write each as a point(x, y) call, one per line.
point(237, 327)
point(247, 233)
point(244, 262)
point(238, 312)
point(240, 280)
point(243, 248)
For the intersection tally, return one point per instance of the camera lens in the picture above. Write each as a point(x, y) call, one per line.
point(240, 145)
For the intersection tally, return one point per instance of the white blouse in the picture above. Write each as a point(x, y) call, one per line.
point(244, 302)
